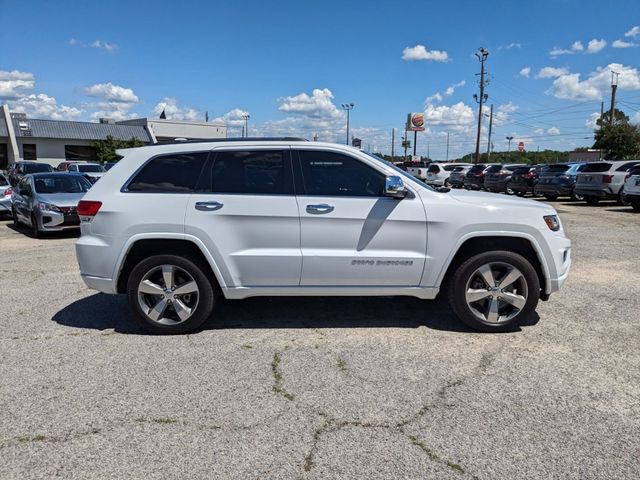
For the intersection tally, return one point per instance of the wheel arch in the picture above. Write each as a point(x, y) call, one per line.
point(478, 244)
point(142, 248)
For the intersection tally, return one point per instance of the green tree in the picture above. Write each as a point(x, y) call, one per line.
point(106, 149)
point(619, 140)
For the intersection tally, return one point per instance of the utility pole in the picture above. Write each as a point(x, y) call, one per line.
point(489, 139)
point(315, 137)
point(614, 87)
point(415, 141)
point(347, 107)
point(482, 55)
point(447, 157)
point(393, 144)
point(601, 125)
point(509, 150)
point(245, 131)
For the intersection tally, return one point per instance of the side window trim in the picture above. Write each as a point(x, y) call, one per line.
point(303, 191)
point(125, 186)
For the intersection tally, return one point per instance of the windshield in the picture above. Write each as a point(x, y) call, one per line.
point(400, 172)
point(37, 167)
point(597, 167)
point(559, 168)
point(477, 168)
point(61, 184)
point(521, 170)
point(90, 168)
point(494, 168)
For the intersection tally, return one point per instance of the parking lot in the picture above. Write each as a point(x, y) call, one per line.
point(316, 388)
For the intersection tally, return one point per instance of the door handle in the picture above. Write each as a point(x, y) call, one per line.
point(209, 206)
point(319, 209)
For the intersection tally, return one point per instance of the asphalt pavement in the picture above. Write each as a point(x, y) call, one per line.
point(323, 388)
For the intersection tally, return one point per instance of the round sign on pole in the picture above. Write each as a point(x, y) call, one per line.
point(521, 146)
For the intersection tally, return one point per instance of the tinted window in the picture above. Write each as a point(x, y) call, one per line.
point(258, 172)
point(597, 167)
point(61, 184)
point(90, 168)
point(29, 151)
point(176, 173)
point(521, 170)
point(458, 169)
point(37, 167)
point(477, 168)
point(626, 166)
point(633, 171)
point(334, 174)
point(3, 181)
point(494, 168)
point(448, 168)
point(433, 169)
point(557, 168)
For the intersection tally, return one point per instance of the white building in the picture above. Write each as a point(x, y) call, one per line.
point(55, 141)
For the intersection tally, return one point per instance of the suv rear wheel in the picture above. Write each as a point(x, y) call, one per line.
point(170, 294)
point(494, 291)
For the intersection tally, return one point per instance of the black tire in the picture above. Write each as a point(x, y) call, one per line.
point(593, 201)
point(521, 194)
point(16, 222)
point(457, 285)
point(447, 183)
point(508, 190)
point(205, 302)
point(621, 200)
point(636, 206)
point(575, 197)
point(35, 232)
point(551, 197)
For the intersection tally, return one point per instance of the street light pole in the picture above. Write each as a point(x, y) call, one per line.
point(509, 150)
point(347, 107)
point(246, 117)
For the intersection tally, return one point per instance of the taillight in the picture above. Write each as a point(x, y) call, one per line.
point(87, 209)
point(530, 175)
point(8, 192)
point(419, 172)
point(607, 178)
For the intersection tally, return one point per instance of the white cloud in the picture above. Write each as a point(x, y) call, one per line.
point(73, 41)
point(577, 46)
point(539, 131)
point(102, 45)
point(597, 84)
point(591, 121)
point(634, 32)
point(113, 110)
point(458, 115)
point(174, 112)
point(623, 44)
point(420, 52)
point(233, 118)
point(553, 131)
point(595, 45)
point(112, 93)
point(438, 97)
point(525, 72)
point(511, 45)
point(551, 72)
point(43, 106)
point(13, 83)
point(317, 105)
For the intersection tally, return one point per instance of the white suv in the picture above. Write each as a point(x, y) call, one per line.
point(178, 226)
point(631, 191)
point(438, 173)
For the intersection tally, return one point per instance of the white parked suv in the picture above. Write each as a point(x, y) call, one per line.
point(631, 192)
point(603, 180)
point(177, 226)
point(438, 173)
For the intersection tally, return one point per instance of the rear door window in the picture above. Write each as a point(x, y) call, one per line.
point(433, 169)
point(626, 166)
point(174, 173)
point(597, 167)
point(494, 168)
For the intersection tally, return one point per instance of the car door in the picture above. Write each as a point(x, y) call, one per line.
point(24, 199)
point(352, 235)
point(246, 212)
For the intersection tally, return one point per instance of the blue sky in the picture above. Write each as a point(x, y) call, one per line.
point(291, 64)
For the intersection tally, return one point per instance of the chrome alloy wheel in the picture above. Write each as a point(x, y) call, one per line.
point(168, 295)
point(496, 292)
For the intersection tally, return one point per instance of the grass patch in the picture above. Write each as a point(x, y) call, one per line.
point(34, 438)
point(342, 365)
point(247, 346)
point(277, 378)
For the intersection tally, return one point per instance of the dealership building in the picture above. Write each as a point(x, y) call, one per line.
point(55, 141)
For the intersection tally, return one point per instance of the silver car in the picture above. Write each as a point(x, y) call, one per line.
point(5, 195)
point(48, 201)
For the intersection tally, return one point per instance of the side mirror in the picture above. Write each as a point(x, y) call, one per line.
point(394, 187)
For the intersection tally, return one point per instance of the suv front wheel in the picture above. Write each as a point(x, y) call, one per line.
point(170, 294)
point(494, 291)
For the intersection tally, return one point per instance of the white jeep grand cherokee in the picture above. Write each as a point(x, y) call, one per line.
point(177, 226)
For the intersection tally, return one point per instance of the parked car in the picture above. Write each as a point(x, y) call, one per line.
point(474, 178)
point(20, 169)
point(417, 169)
point(176, 226)
point(64, 166)
point(5, 195)
point(498, 177)
point(438, 173)
point(524, 179)
point(559, 180)
point(603, 180)
point(631, 191)
point(107, 166)
point(48, 202)
point(93, 171)
point(456, 179)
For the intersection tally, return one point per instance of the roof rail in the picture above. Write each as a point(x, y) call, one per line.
point(233, 139)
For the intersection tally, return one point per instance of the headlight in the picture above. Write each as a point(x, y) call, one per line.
point(553, 222)
point(48, 207)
